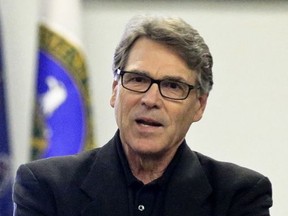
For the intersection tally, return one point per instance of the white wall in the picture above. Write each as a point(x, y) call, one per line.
point(246, 118)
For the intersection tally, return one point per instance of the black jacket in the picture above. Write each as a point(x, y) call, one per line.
point(93, 184)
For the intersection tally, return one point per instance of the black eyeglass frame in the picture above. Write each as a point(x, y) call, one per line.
point(121, 73)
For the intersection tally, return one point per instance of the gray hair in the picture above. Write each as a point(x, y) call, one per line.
point(172, 32)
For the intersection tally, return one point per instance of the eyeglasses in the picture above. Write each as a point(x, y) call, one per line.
point(168, 88)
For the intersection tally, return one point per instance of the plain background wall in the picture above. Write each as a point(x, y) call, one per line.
point(247, 113)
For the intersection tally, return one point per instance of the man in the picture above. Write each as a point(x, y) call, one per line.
point(163, 75)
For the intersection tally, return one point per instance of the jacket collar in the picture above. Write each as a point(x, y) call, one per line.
point(105, 184)
point(189, 189)
point(187, 192)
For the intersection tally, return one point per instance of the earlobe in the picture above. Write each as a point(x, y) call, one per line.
point(114, 93)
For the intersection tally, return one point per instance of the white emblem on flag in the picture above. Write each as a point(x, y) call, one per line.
point(54, 97)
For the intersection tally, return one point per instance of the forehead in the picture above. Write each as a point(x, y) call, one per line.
point(158, 60)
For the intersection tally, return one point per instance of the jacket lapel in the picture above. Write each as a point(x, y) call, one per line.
point(106, 185)
point(189, 188)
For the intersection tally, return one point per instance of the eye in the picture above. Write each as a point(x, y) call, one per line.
point(138, 79)
point(173, 85)
point(134, 78)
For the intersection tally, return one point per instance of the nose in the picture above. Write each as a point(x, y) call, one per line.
point(152, 98)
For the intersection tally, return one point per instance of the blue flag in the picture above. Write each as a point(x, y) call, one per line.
point(62, 116)
point(6, 206)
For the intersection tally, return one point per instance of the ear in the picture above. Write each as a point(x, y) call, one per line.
point(114, 93)
point(202, 102)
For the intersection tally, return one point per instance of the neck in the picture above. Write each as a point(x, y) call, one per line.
point(147, 168)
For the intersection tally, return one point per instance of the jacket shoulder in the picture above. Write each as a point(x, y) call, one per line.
point(220, 172)
point(237, 188)
point(62, 168)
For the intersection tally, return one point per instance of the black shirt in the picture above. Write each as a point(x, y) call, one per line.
point(146, 200)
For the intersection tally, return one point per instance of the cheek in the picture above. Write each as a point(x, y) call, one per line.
point(184, 118)
point(184, 121)
point(120, 105)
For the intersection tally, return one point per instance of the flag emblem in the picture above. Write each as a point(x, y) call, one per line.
point(61, 123)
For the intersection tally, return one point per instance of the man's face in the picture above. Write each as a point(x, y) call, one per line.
point(150, 124)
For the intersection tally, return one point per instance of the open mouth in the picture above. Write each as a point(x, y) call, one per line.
point(148, 122)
